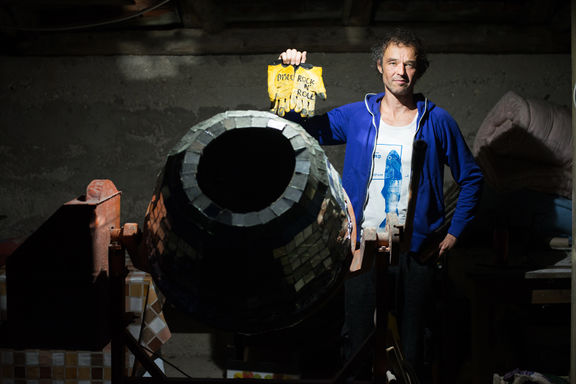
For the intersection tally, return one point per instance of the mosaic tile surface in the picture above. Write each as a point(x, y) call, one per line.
point(87, 367)
point(254, 269)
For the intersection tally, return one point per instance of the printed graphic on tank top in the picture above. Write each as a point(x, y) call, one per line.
point(388, 188)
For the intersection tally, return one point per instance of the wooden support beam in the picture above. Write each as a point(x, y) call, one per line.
point(357, 12)
point(204, 14)
point(60, 3)
point(520, 12)
point(439, 39)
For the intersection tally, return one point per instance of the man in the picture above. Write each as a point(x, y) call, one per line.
point(379, 133)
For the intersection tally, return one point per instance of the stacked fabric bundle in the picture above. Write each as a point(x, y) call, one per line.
point(526, 144)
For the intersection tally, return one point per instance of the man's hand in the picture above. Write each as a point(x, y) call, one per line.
point(293, 56)
point(446, 244)
point(433, 248)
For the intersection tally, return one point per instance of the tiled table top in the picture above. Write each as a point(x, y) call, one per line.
point(83, 367)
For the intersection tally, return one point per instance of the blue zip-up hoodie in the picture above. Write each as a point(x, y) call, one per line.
point(356, 125)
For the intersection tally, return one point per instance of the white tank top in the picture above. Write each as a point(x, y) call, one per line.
point(388, 188)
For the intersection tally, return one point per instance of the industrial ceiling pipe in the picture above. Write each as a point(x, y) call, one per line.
point(249, 228)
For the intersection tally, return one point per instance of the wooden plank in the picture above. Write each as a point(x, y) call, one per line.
point(559, 270)
point(442, 38)
point(549, 273)
point(551, 296)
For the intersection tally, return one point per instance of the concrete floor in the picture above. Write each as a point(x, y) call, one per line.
point(190, 355)
point(309, 348)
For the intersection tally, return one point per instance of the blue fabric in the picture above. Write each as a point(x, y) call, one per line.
point(356, 125)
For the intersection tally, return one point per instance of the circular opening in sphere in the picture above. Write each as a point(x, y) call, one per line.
point(246, 170)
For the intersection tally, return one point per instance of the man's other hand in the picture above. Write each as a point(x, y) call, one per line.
point(446, 244)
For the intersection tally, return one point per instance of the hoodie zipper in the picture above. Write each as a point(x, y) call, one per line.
point(421, 118)
point(371, 157)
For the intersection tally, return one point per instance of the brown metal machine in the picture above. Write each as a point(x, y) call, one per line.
point(63, 268)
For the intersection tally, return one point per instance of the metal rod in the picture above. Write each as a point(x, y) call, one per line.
point(142, 357)
point(118, 304)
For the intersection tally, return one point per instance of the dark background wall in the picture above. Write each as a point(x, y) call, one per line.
point(66, 120)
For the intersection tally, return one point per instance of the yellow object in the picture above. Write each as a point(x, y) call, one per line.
point(308, 84)
point(295, 88)
point(280, 86)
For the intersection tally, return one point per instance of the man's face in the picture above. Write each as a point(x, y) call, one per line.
point(398, 69)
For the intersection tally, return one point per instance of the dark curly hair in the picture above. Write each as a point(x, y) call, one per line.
point(402, 37)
